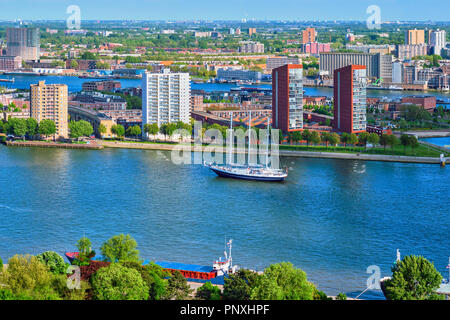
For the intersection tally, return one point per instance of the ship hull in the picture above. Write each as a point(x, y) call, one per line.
point(232, 175)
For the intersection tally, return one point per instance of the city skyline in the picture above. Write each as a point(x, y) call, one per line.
point(303, 10)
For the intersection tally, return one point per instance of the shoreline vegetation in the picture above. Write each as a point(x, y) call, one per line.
point(423, 153)
point(120, 273)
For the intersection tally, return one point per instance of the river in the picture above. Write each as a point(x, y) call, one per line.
point(332, 218)
point(74, 84)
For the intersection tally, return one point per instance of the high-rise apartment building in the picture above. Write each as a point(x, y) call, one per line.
point(251, 31)
point(23, 42)
point(165, 97)
point(49, 101)
point(437, 40)
point(415, 36)
point(287, 97)
point(350, 99)
point(309, 35)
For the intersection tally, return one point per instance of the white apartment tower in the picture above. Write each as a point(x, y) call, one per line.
point(437, 40)
point(165, 97)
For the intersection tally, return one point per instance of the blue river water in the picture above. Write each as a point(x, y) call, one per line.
point(332, 218)
point(441, 141)
point(74, 84)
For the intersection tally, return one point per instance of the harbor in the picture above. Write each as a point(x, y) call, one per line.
point(318, 219)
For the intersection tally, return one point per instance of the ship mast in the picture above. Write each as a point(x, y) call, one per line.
point(230, 156)
point(249, 135)
point(267, 144)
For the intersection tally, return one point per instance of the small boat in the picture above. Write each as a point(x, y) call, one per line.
point(8, 80)
point(255, 172)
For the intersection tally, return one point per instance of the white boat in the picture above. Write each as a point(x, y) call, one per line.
point(256, 172)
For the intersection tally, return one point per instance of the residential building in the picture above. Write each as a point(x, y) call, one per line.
point(397, 71)
point(8, 63)
point(50, 101)
point(104, 85)
point(275, 62)
point(437, 41)
point(98, 101)
point(371, 48)
point(165, 97)
point(426, 102)
point(81, 65)
point(197, 103)
point(316, 47)
point(350, 99)
point(409, 51)
point(308, 35)
point(377, 65)
point(415, 36)
point(231, 74)
point(251, 47)
point(287, 97)
point(251, 31)
point(23, 42)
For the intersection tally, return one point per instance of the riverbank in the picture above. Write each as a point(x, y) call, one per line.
point(282, 152)
point(427, 133)
point(45, 144)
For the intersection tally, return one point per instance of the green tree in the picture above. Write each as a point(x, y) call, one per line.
point(307, 136)
point(177, 287)
point(47, 127)
point(413, 278)
point(85, 252)
point(363, 138)
point(413, 142)
point(404, 140)
point(239, 286)
point(153, 275)
point(27, 276)
point(102, 129)
point(208, 292)
point(19, 127)
point(345, 138)
point(120, 248)
point(333, 139)
point(32, 126)
point(117, 282)
point(134, 131)
point(315, 137)
point(118, 130)
point(353, 139)
point(341, 296)
point(151, 128)
point(282, 281)
point(373, 139)
point(54, 262)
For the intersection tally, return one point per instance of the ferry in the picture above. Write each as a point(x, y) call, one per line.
point(215, 273)
point(256, 172)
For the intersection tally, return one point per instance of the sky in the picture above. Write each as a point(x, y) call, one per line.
point(311, 10)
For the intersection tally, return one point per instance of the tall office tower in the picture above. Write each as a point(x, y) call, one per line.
point(308, 35)
point(350, 99)
point(437, 40)
point(165, 97)
point(415, 36)
point(49, 101)
point(23, 42)
point(287, 97)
